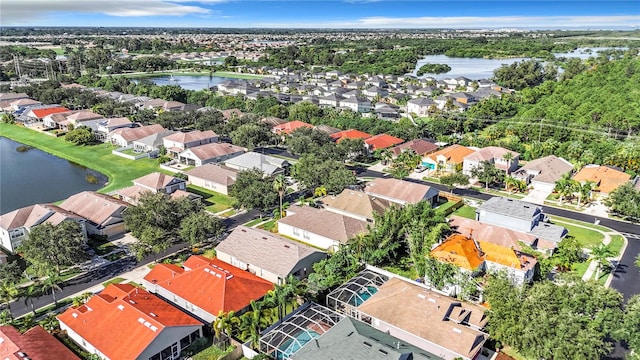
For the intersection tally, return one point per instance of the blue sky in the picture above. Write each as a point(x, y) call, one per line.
point(545, 14)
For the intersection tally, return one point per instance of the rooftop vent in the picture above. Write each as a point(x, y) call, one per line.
point(152, 314)
point(455, 330)
point(421, 296)
point(366, 344)
point(74, 315)
point(120, 307)
point(141, 320)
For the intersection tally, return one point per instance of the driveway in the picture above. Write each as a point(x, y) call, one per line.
point(538, 194)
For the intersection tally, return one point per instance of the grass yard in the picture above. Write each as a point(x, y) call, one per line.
point(213, 201)
point(466, 211)
point(616, 244)
point(578, 222)
point(585, 237)
point(513, 353)
point(231, 74)
point(117, 280)
point(269, 225)
point(100, 247)
point(253, 222)
point(120, 171)
point(212, 353)
point(446, 208)
point(581, 267)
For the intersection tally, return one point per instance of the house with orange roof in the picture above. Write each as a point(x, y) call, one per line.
point(206, 287)
point(291, 126)
point(449, 159)
point(16, 225)
point(382, 141)
point(349, 134)
point(35, 344)
point(42, 112)
point(471, 255)
point(124, 322)
point(606, 178)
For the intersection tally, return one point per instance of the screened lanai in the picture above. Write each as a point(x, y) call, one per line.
point(308, 322)
point(354, 292)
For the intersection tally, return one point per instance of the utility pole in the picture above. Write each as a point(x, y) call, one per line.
point(540, 131)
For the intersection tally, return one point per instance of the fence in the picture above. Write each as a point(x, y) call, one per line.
point(457, 201)
point(120, 152)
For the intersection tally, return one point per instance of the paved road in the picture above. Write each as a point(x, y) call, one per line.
point(105, 273)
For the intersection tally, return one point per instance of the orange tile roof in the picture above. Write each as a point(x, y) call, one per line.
point(40, 113)
point(35, 343)
point(210, 284)
point(383, 141)
point(291, 126)
point(454, 154)
point(122, 320)
point(350, 134)
point(460, 251)
point(606, 178)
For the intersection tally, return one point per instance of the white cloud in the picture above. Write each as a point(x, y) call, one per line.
point(18, 12)
point(534, 22)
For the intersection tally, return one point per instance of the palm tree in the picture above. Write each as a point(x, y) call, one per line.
point(280, 185)
point(600, 254)
point(81, 299)
point(50, 283)
point(584, 191)
point(510, 182)
point(386, 156)
point(5, 317)
point(8, 293)
point(30, 292)
point(50, 322)
point(508, 157)
point(565, 186)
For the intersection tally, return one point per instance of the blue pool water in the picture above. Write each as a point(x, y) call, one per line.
point(364, 295)
point(290, 347)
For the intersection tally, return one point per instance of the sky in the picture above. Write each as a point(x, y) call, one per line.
point(542, 14)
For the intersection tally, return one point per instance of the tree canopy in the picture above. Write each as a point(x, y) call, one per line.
point(252, 190)
point(50, 246)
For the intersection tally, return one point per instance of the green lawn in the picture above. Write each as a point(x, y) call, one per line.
point(616, 244)
point(445, 208)
point(214, 202)
point(253, 222)
point(581, 267)
point(212, 353)
point(236, 75)
point(585, 237)
point(598, 227)
point(466, 211)
point(269, 225)
point(120, 171)
point(117, 280)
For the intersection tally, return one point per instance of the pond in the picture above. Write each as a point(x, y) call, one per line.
point(34, 176)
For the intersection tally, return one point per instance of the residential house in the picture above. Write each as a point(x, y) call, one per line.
point(355, 340)
point(381, 141)
point(544, 172)
point(210, 153)
point(57, 120)
point(401, 192)
point(357, 104)
point(213, 177)
point(269, 256)
point(291, 126)
point(332, 100)
point(35, 344)
point(356, 204)
point(151, 144)
point(179, 141)
point(20, 105)
point(124, 322)
point(320, 228)
point(39, 113)
point(206, 287)
point(419, 146)
point(302, 326)
point(386, 111)
point(520, 216)
point(104, 214)
point(106, 126)
point(349, 134)
point(159, 104)
point(125, 136)
point(420, 106)
point(449, 159)
point(85, 118)
point(154, 182)
point(472, 254)
point(499, 235)
point(494, 155)
point(329, 130)
point(374, 92)
point(269, 165)
point(607, 179)
point(463, 98)
point(7, 98)
point(229, 114)
point(448, 327)
point(16, 225)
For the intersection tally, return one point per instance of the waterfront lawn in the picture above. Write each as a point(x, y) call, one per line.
point(119, 170)
point(236, 75)
point(214, 202)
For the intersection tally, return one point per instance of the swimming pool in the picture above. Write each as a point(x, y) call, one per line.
point(290, 347)
point(363, 295)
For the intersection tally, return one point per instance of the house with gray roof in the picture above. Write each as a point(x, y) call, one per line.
point(267, 255)
point(355, 340)
point(151, 144)
point(357, 104)
point(269, 165)
point(520, 216)
point(420, 106)
point(320, 228)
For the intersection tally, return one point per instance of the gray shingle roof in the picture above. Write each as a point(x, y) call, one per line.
point(510, 207)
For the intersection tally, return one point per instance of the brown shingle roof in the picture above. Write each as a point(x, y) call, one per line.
point(324, 223)
point(490, 152)
point(156, 180)
point(356, 202)
point(133, 134)
point(399, 191)
point(95, 207)
point(400, 303)
point(215, 173)
point(187, 137)
point(215, 150)
point(420, 146)
point(550, 168)
point(263, 249)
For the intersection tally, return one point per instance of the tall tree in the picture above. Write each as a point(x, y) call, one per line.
point(625, 200)
point(487, 173)
point(280, 185)
point(54, 246)
point(453, 180)
point(199, 226)
point(252, 190)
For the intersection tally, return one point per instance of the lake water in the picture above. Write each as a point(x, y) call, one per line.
point(34, 176)
point(189, 82)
